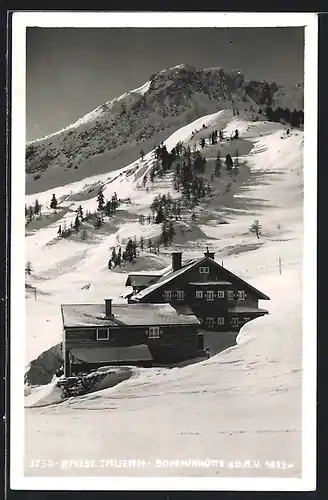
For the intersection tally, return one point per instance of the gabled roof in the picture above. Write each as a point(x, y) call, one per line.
point(88, 315)
point(167, 278)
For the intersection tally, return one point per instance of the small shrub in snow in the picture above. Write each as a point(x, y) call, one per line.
point(256, 228)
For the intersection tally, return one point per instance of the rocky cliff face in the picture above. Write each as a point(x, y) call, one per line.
point(143, 117)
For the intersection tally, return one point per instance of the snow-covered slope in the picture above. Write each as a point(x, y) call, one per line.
point(243, 403)
point(113, 134)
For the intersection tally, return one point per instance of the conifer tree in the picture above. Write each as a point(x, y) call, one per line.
point(129, 251)
point(108, 208)
point(53, 203)
point(229, 162)
point(37, 207)
point(100, 200)
point(119, 257)
point(30, 213)
point(142, 242)
point(28, 268)
point(218, 165)
point(144, 180)
point(159, 216)
point(256, 228)
point(77, 224)
point(114, 255)
point(80, 213)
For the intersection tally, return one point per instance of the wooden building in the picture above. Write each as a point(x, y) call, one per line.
point(127, 334)
point(220, 299)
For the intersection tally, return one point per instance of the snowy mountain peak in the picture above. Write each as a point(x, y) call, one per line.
point(114, 133)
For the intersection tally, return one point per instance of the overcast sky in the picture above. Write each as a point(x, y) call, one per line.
point(70, 71)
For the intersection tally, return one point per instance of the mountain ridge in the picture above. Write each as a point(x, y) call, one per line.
point(113, 133)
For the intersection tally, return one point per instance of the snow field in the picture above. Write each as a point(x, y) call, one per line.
point(243, 403)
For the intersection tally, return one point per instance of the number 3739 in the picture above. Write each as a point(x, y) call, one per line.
point(41, 463)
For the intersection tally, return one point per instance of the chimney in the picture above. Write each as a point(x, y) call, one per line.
point(209, 254)
point(108, 307)
point(176, 261)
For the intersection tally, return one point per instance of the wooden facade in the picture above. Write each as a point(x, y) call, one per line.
point(110, 342)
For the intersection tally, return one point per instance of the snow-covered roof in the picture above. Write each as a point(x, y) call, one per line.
point(80, 315)
point(139, 279)
point(172, 275)
point(165, 279)
point(246, 309)
point(111, 354)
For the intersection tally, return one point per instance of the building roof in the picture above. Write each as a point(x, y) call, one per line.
point(81, 315)
point(111, 354)
point(168, 277)
point(246, 309)
point(204, 283)
point(139, 278)
point(142, 279)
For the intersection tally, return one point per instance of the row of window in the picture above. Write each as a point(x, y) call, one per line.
point(180, 295)
point(220, 321)
point(154, 331)
point(104, 333)
point(208, 294)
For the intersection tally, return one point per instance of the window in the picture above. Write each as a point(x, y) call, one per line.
point(241, 295)
point(102, 334)
point(230, 295)
point(154, 332)
point(209, 295)
point(210, 321)
point(220, 321)
point(204, 270)
point(220, 294)
point(167, 295)
point(199, 294)
point(235, 321)
point(247, 319)
point(180, 294)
